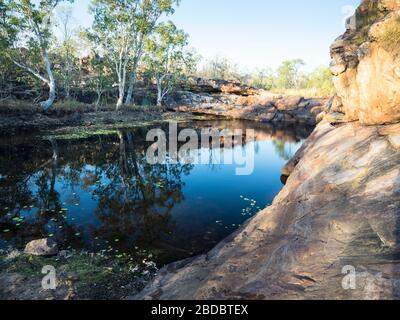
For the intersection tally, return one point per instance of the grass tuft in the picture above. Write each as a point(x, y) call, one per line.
point(307, 92)
point(389, 36)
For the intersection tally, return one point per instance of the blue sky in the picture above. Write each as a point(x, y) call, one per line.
point(257, 33)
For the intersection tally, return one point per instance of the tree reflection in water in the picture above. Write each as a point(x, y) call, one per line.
point(101, 193)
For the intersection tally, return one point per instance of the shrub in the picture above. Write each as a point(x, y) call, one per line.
point(13, 106)
point(70, 105)
point(148, 108)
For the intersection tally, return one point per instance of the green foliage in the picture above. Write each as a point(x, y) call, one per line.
point(9, 24)
point(65, 51)
point(320, 80)
point(263, 79)
point(101, 77)
point(166, 59)
point(120, 30)
point(288, 78)
point(126, 42)
point(220, 68)
point(34, 22)
point(288, 74)
point(26, 30)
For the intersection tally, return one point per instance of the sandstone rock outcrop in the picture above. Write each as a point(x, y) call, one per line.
point(365, 64)
point(201, 85)
point(42, 247)
point(234, 101)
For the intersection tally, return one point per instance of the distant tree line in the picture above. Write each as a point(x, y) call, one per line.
point(288, 77)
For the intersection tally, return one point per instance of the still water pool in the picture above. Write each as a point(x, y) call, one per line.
point(99, 192)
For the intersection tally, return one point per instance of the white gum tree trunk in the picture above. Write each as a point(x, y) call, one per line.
point(51, 83)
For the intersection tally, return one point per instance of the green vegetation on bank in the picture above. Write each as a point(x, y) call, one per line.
point(81, 275)
point(69, 106)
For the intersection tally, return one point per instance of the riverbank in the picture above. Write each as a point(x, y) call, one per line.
point(80, 275)
point(203, 99)
point(26, 119)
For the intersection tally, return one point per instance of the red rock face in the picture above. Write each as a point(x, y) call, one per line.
point(364, 69)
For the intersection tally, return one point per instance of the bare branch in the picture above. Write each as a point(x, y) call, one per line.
point(36, 74)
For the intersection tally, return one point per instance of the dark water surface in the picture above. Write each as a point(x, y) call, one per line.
point(100, 192)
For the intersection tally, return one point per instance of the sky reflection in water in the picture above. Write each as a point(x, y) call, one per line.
point(100, 192)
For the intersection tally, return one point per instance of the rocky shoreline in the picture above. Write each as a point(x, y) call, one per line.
point(338, 208)
point(338, 215)
point(28, 121)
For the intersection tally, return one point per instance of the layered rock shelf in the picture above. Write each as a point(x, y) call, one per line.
point(234, 101)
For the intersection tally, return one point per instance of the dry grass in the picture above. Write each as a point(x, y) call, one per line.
point(72, 106)
point(389, 36)
point(18, 106)
point(306, 93)
point(151, 108)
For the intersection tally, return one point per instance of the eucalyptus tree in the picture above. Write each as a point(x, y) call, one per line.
point(166, 59)
point(288, 74)
point(119, 30)
point(8, 32)
point(220, 68)
point(29, 36)
point(8, 24)
point(150, 12)
point(101, 77)
point(66, 48)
